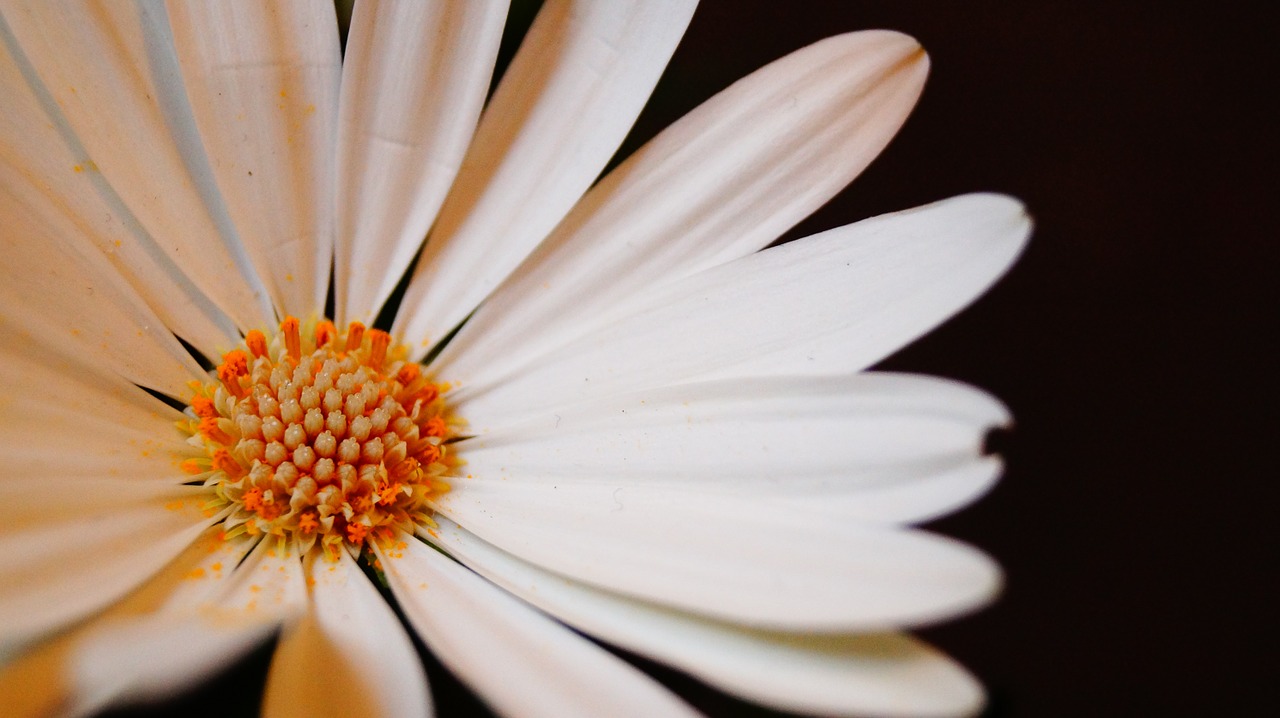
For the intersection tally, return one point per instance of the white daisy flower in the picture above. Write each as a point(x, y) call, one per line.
point(648, 428)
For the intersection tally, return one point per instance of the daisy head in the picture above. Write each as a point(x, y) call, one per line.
point(597, 404)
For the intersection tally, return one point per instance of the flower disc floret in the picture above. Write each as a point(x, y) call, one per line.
point(314, 434)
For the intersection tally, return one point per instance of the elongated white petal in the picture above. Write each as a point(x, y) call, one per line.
point(74, 307)
point(581, 77)
point(908, 495)
point(836, 302)
point(46, 167)
point(878, 674)
point(56, 573)
point(204, 619)
point(521, 662)
point(119, 433)
point(349, 656)
point(736, 557)
point(146, 148)
point(879, 447)
point(263, 83)
point(721, 183)
point(414, 79)
point(31, 501)
point(177, 629)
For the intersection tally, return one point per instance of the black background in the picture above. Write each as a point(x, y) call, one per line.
point(1129, 340)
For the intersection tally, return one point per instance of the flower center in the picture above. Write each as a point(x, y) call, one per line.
point(316, 435)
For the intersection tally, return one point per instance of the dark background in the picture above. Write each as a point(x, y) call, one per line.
point(1133, 521)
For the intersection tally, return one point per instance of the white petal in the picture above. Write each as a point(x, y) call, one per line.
point(263, 83)
point(737, 557)
point(87, 225)
point(909, 495)
point(572, 92)
point(68, 306)
point(875, 447)
point(880, 674)
point(521, 662)
point(415, 75)
point(115, 431)
point(721, 183)
point(32, 501)
point(836, 302)
point(349, 656)
point(197, 617)
point(173, 632)
point(145, 144)
point(60, 572)
point(45, 166)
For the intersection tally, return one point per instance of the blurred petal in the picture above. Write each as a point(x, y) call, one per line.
point(211, 606)
point(415, 75)
point(874, 447)
point(724, 181)
point(178, 629)
point(836, 302)
point(349, 656)
point(521, 662)
point(59, 572)
point(570, 96)
point(155, 657)
point(734, 557)
point(879, 674)
point(263, 83)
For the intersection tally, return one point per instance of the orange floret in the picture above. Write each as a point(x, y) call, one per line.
point(325, 332)
point(235, 365)
point(430, 455)
point(257, 342)
point(437, 427)
point(387, 494)
point(252, 499)
point(357, 532)
point(355, 336)
point(222, 460)
point(307, 522)
point(210, 429)
point(378, 343)
point(203, 407)
point(291, 328)
point(408, 373)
